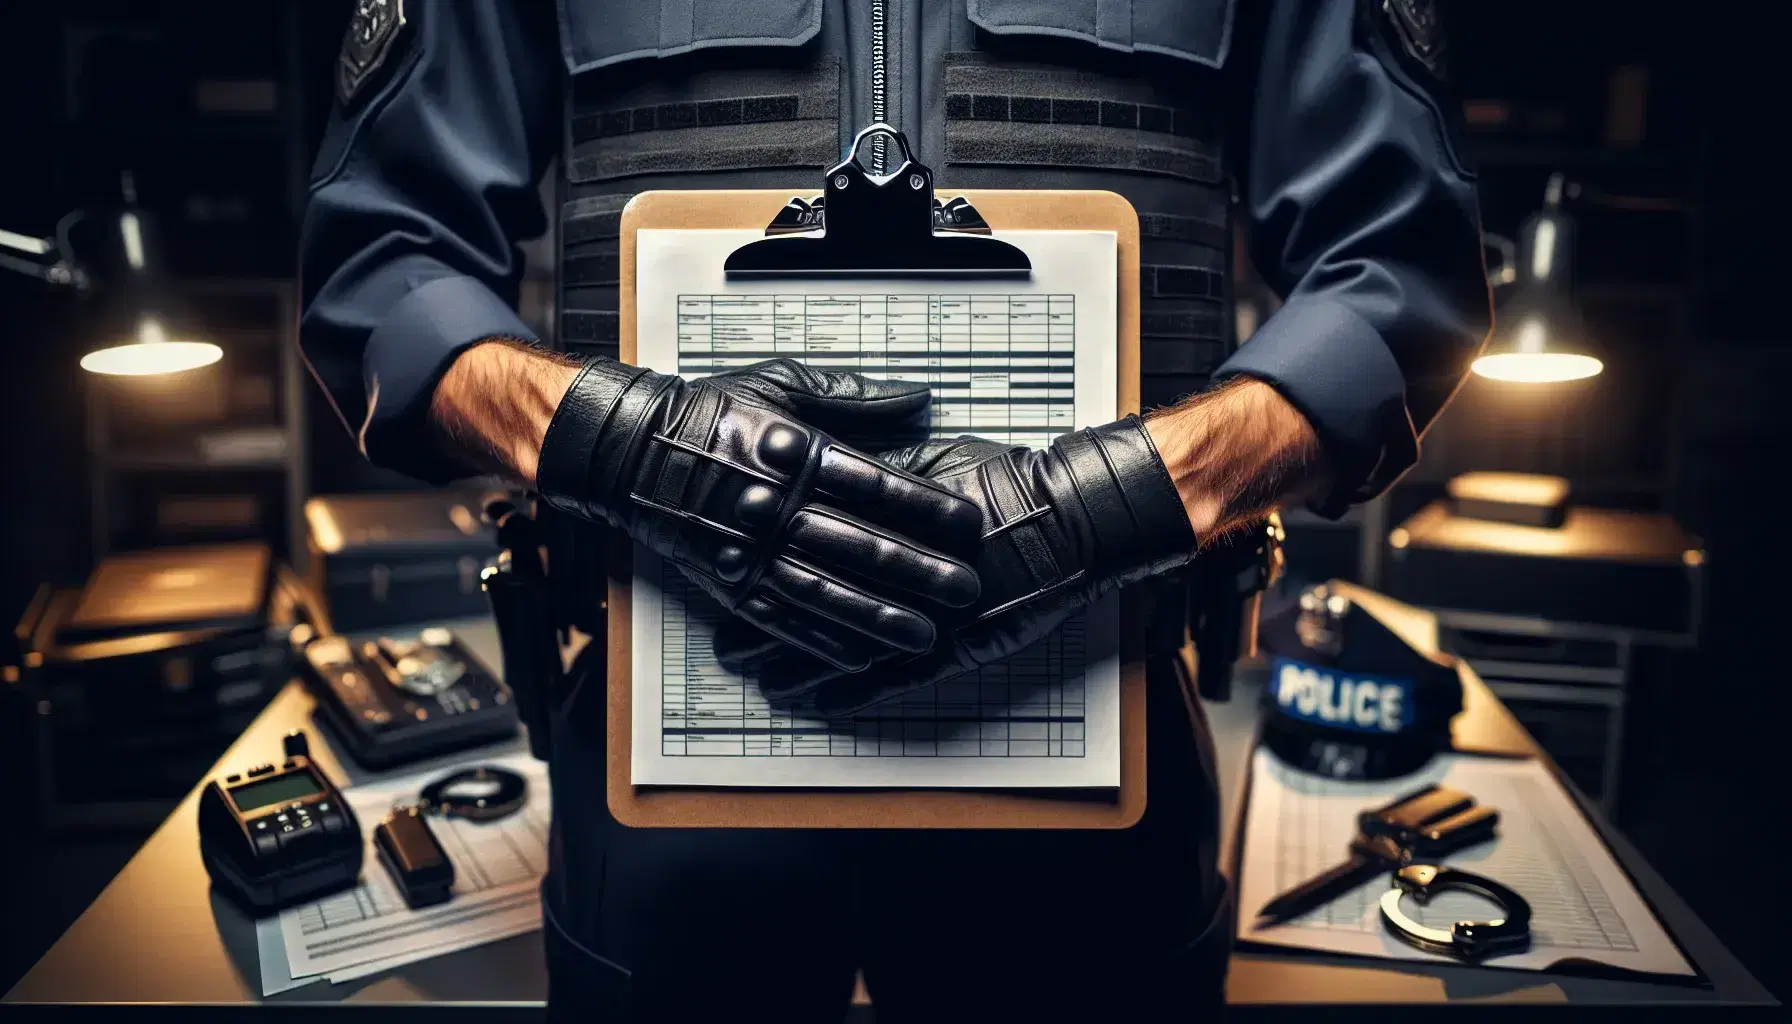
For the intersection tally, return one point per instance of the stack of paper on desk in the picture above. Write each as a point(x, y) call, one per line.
point(497, 873)
point(1583, 905)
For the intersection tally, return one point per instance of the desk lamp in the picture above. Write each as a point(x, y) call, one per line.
point(123, 265)
point(1541, 326)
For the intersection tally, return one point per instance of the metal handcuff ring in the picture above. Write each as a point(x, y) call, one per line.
point(1468, 940)
point(511, 791)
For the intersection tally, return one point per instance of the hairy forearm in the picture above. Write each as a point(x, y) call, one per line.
point(492, 408)
point(1237, 452)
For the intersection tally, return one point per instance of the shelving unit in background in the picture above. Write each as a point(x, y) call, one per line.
point(203, 103)
point(213, 454)
point(1611, 99)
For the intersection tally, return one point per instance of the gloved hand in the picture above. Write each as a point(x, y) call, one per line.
point(733, 479)
point(1061, 527)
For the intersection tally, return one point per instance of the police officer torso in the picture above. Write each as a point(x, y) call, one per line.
point(1122, 95)
point(1359, 214)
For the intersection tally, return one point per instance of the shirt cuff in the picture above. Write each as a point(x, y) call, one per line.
point(406, 356)
point(1332, 365)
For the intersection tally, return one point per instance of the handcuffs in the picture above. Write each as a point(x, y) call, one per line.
point(1468, 940)
point(496, 793)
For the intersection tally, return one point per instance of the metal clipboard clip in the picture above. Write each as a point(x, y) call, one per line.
point(866, 225)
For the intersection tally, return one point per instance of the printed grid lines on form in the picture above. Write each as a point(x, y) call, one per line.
point(1002, 367)
point(486, 855)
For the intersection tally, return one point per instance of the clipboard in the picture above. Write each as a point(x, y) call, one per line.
point(935, 240)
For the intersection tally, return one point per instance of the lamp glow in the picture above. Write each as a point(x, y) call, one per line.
point(152, 353)
point(1537, 367)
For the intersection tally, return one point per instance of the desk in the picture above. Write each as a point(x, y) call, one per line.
point(156, 934)
point(1259, 977)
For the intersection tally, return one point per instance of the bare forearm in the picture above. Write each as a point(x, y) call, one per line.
point(492, 408)
point(1237, 452)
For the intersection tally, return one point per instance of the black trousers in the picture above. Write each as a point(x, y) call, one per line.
point(676, 924)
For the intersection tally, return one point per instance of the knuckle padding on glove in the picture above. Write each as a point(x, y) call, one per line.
point(781, 448)
point(716, 475)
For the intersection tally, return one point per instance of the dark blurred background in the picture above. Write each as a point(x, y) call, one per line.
point(1667, 120)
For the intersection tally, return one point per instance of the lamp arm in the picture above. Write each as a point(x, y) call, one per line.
point(45, 258)
point(26, 243)
point(55, 273)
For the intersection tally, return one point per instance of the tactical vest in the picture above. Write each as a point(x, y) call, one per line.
point(1124, 95)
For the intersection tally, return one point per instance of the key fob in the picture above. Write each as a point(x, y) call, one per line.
point(1434, 840)
point(414, 857)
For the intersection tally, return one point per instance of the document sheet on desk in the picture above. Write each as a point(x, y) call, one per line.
point(1582, 903)
point(498, 867)
point(1016, 361)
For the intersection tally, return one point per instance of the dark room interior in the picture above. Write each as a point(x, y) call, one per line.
point(1654, 127)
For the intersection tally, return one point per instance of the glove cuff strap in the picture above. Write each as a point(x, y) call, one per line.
point(1123, 480)
point(592, 441)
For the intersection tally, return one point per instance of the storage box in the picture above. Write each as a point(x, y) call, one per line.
point(387, 559)
point(1629, 570)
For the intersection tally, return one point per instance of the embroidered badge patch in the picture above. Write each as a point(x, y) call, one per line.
point(372, 29)
point(1419, 30)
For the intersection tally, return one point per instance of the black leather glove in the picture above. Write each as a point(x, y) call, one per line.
point(732, 478)
point(1061, 527)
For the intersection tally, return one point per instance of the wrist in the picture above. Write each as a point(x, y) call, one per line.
point(597, 437)
point(492, 407)
point(1136, 525)
point(1237, 452)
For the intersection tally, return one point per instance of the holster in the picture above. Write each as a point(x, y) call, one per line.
point(1224, 594)
point(531, 628)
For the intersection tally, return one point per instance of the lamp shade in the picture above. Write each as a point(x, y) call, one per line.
point(141, 321)
point(151, 351)
point(1540, 338)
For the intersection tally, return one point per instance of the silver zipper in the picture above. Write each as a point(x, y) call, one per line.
point(877, 83)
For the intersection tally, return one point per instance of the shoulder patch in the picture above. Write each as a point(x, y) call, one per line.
point(372, 29)
point(1420, 31)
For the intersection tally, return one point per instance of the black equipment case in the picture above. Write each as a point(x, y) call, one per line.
point(390, 559)
point(135, 682)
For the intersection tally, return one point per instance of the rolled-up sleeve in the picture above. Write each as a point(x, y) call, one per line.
point(424, 184)
point(1359, 212)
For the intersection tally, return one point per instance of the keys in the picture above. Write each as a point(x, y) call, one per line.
point(1422, 826)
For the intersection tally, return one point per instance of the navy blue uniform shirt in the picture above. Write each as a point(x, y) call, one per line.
point(1354, 201)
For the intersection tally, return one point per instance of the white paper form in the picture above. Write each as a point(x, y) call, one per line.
point(1014, 361)
point(1582, 903)
point(497, 866)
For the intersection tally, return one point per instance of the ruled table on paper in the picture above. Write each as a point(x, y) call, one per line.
point(1017, 362)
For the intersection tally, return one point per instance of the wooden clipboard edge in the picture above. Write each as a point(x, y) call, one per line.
point(653, 807)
